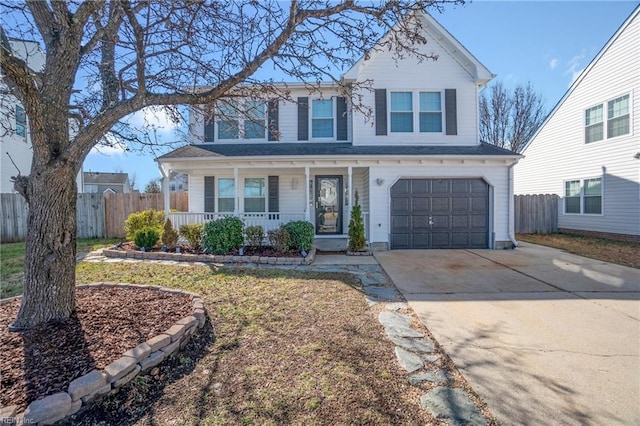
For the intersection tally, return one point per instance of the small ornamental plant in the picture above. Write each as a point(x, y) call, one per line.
point(193, 234)
point(254, 235)
point(139, 220)
point(169, 235)
point(279, 239)
point(300, 233)
point(223, 236)
point(357, 239)
point(146, 237)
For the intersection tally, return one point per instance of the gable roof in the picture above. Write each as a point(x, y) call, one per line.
point(329, 150)
point(103, 178)
point(584, 73)
point(440, 35)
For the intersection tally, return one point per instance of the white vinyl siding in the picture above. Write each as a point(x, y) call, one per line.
point(559, 153)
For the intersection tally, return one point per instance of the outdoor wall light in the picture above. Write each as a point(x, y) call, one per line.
point(379, 181)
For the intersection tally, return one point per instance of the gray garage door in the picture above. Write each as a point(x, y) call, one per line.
point(439, 213)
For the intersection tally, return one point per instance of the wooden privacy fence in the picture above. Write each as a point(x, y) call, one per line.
point(118, 206)
point(98, 215)
point(536, 214)
point(14, 210)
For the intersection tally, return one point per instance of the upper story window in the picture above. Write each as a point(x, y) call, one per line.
point(401, 112)
point(430, 112)
point(241, 120)
point(21, 121)
point(322, 118)
point(91, 189)
point(583, 196)
point(616, 124)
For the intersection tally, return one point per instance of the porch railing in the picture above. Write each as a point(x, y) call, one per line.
point(268, 220)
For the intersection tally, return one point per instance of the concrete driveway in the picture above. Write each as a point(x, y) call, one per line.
point(544, 337)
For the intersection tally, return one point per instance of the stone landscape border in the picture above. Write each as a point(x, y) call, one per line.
point(210, 258)
point(98, 383)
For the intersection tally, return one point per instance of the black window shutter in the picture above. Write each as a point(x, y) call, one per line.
point(209, 194)
point(272, 120)
point(450, 110)
point(341, 118)
point(209, 126)
point(274, 194)
point(303, 119)
point(381, 111)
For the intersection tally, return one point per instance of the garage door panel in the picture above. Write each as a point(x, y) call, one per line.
point(440, 204)
point(458, 210)
point(419, 205)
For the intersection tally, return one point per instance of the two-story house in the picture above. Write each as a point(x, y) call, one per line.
point(588, 150)
point(106, 182)
point(423, 177)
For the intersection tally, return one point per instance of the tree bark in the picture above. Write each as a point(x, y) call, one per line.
point(49, 281)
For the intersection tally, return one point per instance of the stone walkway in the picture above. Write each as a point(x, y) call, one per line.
point(415, 352)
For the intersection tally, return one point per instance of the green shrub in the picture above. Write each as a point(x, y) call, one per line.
point(193, 234)
point(357, 239)
point(139, 220)
point(169, 235)
point(255, 235)
point(301, 234)
point(146, 237)
point(222, 236)
point(279, 239)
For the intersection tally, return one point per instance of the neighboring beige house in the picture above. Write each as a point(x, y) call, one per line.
point(102, 182)
point(588, 149)
point(424, 178)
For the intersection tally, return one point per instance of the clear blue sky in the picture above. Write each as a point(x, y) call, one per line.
point(545, 42)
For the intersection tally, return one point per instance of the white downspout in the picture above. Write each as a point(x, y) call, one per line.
point(510, 206)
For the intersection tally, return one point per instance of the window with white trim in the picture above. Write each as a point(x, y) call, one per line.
point(617, 122)
point(401, 112)
point(226, 195)
point(255, 195)
point(21, 121)
point(430, 112)
point(583, 196)
point(322, 118)
point(245, 119)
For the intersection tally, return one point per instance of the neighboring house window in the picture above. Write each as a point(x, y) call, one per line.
point(172, 187)
point(618, 117)
point(430, 112)
point(594, 124)
point(21, 121)
point(228, 125)
point(583, 196)
point(254, 195)
point(322, 118)
point(617, 122)
point(91, 189)
point(401, 112)
point(226, 195)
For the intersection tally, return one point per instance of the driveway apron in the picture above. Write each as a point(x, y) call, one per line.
point(543, 336)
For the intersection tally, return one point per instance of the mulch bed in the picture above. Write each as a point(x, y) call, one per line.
point(264, 251)
point(107, 322)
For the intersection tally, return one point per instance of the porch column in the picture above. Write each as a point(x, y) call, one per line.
point(307, 213)
point(167, 197)
point(236, 202)
point(349, 196)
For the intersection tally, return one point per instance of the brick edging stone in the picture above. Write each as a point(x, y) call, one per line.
point(209, 258)
point(97, 383)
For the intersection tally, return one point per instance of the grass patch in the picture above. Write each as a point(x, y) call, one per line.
point(12, 262)
point(619, 252)
point(289, 348)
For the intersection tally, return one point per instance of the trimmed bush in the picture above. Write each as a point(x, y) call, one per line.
point(169, 235)
point(357, 239)
point(144, 219)
point(255, 235)
point(222, 236)
point(279, 239)
point(301, 234)
point(193, 234)
point(146, 237)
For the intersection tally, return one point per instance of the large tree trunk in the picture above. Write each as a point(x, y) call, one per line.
point(49, 281)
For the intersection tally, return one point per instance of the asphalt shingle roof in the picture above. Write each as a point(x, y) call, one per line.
point(327, 149)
